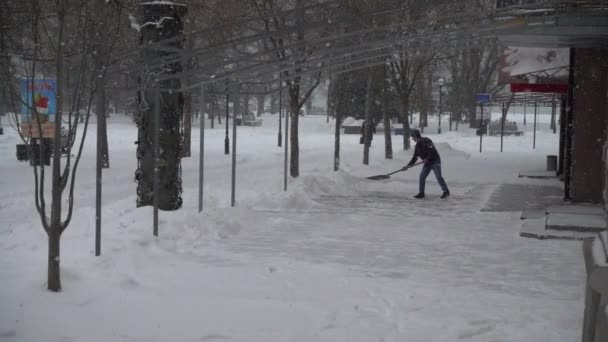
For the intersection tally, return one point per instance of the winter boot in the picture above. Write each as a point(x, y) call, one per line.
point(420, 195)
point(445, 195)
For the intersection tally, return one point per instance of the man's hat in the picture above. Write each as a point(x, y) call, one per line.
point(415, 133)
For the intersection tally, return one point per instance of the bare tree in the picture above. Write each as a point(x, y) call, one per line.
point(405, 70)
point(367, 124)
point(299, 88)
point(388, 141)
point(65, 26)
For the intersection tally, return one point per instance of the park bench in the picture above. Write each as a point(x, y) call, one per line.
point(595, 319)
point(249, 120)
point(510, 128)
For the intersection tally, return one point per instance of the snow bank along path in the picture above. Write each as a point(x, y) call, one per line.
point(336, 258)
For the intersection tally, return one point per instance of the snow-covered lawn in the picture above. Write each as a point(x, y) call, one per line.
point(335, 258)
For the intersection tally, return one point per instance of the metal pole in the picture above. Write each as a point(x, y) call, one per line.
point(201, 161)
point(553, 114)
point(328, 100)
point(481, 128)
point(280, 137)
point(227, 140)
point(98, 173)
point(525, 109)
point(502, 125)
point(451, 120)
point(235, 109)
point(535, 113)
point(156, 155)
point(562, 135)
point(286, 150)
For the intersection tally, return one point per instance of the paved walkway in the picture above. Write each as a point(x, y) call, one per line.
point(521, 197)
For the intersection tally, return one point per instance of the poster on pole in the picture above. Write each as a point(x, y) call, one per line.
point(485, 115)
point(38, 107)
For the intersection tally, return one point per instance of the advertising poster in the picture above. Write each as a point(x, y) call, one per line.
point(39, 107)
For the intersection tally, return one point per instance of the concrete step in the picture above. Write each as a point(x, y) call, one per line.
point(580, 209)
point(533, 214)
point(539, 174)
point(535, 228)
point(576, 222)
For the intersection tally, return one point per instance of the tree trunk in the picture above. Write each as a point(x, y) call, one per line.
point(211, 115)
point(101, 111)
point(187, 122)
point(388, 140)
point(215, 113)
point(471, 110)
point(54, 280)
point(405, 113)
point(337, 137)
point(367, 124)
point(274, 103)
point(474, 84)
point(329, 110)
point(260, 108)
point(428, 95)
point(245, 104)
point(54, 276)
point(294, 163)
point(309, 105)
point(171, 111)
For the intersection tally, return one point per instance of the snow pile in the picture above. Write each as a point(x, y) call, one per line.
point(224, 223)
point(350, 121)
point(446, 148)
point(303, 192)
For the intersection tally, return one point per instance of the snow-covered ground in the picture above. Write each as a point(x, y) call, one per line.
point(335, 258)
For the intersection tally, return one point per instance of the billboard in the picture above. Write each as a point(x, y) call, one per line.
point(38, 107)
point(533, 65)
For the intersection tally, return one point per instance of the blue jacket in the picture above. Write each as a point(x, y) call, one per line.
point(425, 150)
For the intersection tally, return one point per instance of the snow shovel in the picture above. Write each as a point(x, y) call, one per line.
point(388, 175)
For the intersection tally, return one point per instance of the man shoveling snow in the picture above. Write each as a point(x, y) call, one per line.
point(425, 150)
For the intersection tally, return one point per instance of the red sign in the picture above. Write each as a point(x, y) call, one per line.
point(539, 88)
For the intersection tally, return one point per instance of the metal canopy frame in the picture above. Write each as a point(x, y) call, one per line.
point(354, 50)
point(525, 99)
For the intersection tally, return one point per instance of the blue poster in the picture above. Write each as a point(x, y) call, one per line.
point(39, 95)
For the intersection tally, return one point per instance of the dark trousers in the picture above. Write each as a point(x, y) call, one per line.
point(436, 168)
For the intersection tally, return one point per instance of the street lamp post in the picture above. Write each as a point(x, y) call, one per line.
point(441, 83)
